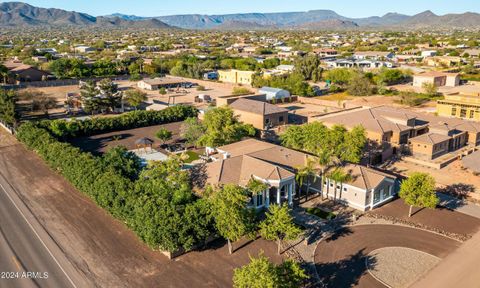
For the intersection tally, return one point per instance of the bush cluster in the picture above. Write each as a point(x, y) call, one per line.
point(157, 203)
point(66, 129)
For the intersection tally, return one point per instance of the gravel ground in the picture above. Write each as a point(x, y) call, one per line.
point(6, 139)
point(399, 267)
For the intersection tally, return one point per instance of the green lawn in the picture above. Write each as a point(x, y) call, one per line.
point(320, 213)
point(192, 156)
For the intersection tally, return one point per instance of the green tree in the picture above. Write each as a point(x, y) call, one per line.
point(164, 135)
point(306, 173)
point(278, 225)
point(233, 219)
point(135, 97)
point(353, 145)
point(90, 99)
point(261, 273)
point(359, 85)
point(111, 97)
point(339, 176)
point(325, 159)
point(191, 130)
point(4, 72)
point(309, 67)
point(222, 127)
point(418, 190)
point(8, 112)
point(430, 89)
point(340, 76)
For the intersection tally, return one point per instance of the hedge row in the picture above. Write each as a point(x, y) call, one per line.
point(150, 207)
point(67, 129)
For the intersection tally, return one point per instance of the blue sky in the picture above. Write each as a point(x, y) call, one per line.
point(349, 8)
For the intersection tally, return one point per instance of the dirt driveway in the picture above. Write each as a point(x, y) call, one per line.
point(103, 249)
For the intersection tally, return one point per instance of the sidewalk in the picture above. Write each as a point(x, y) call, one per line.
point(462, 206)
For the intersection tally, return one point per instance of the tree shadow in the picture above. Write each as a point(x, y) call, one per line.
point(458, 190)
point(95, 145)
point(199, 175)
point(346, 272)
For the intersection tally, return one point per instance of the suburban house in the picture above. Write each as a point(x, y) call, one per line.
point(437, 78)
point(394, 130)
point(368, 188)
point(84, 49)
point(326, 53)
point(157, 83)
point(447, 61)
point(25, 73)
point(261, 115)
point(271, 164)
point(363, 64)
point(236, 76)
point(373, 55)
point(274, 94)
point(460, 106)
point(277, 166)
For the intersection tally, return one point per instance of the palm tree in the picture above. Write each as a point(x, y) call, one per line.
point(338, 176)
point(325, 159)
point(4, 72)
point(306, 173)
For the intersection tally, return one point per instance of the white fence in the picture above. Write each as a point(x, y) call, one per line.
point(7, 127)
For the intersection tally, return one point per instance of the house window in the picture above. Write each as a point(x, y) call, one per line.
point(345, 189)
point(259, 199)
point(331, 184)
point(463, 113)
point(454, 111)
point(280, 119)
point(472, 113)
point(267, 121)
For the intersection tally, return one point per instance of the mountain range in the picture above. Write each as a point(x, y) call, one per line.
point(18, 14)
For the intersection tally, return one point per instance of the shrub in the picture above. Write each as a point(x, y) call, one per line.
point(157, 204)
point(65, 129)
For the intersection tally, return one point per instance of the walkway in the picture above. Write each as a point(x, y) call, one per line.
point(316, 229)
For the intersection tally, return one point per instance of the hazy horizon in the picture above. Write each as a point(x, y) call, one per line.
point(347, 8)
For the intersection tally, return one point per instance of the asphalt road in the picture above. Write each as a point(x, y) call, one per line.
point(28, 256)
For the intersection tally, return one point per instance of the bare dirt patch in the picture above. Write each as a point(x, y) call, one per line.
point(102, 142)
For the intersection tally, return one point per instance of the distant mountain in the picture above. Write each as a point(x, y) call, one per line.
point(332, 24)
point(21, 14)
point(243, 25)
point(429, 19)
point(126, 17)
point(323, 19)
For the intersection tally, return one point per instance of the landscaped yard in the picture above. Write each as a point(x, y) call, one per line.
point(192, 156)
point(321, 213)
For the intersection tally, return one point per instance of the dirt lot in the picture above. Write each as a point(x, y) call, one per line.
point(102, 142)
point(440, 218)
point(450, 175)
point(183, 96)
point(103, 249)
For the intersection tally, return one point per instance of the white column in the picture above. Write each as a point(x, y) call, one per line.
point(267, 198)
point(278, 195)
point(290, 192)
point(371, 199)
